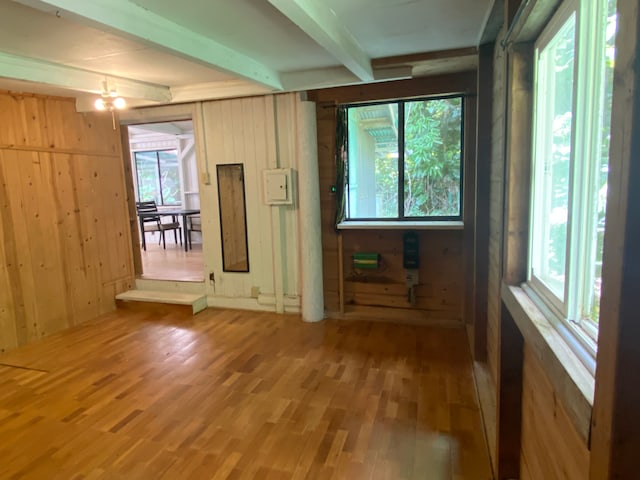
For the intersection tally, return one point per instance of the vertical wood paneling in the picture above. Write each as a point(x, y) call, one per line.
point(245, 131)
point(65, 241)
point(551, 448)
point(509, 398)
point(496, 206)
point(470, 121)
point(482, 195)
point(325, 119)
point(445, 263)
point(615, 422)
point(9, 294)
point(493, 304)
point(287, 106)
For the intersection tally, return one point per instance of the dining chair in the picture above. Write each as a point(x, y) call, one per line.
point(195, 225)
point(153, 223)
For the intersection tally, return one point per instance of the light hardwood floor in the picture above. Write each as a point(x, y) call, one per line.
point(228, 394)
point(172, 263)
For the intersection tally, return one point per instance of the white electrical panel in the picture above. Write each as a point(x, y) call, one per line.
point(278, 187)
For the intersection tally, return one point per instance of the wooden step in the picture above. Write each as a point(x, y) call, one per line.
point(193, 301)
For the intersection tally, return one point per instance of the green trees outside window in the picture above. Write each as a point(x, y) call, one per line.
point(158, 177)
point(405, 160)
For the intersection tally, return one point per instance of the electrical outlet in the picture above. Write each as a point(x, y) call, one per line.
point(255, 291)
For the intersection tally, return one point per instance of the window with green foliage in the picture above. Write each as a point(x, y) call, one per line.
point(573, 93)
point(405, 160)
point(158, 177)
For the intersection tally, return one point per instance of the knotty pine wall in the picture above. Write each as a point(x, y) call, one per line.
point(64, 233)
point(443, 260)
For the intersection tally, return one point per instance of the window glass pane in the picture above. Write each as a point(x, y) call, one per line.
point(148, 178)
point(608, 26)
point(432, 154)
point(373, 161)
point(554, 125)
point(169, 177)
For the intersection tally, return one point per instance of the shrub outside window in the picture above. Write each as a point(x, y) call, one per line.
point(158, 177)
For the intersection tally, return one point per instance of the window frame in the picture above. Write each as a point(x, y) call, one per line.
point(158, 169)
point(401, 218)
point(581, 334)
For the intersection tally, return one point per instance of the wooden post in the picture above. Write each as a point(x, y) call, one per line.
point(515, 246)
point(131, 201)
point(518, 163)
point(469, 201)
point(340, 274)
point(509, 398)
point(482, 193)
point(615, 427)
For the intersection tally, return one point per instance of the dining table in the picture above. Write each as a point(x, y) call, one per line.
point(174, 213)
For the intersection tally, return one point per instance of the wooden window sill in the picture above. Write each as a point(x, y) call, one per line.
point(399, 225)
point(571, 380)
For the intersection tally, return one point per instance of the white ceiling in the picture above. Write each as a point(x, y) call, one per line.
point(163, 51)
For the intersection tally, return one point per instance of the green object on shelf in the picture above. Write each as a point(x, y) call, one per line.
point(366, 260)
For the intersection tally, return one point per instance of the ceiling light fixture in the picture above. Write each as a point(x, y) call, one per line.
point(110, 101)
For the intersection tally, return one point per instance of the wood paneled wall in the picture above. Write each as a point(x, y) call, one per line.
point(382, 293)
point(441, 290)
point(65, 248)
point(496, 204)
point(550, 448)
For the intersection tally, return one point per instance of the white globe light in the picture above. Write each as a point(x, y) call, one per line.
point(119, 103)
point(99, 104)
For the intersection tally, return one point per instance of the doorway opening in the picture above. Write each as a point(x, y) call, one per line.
point(165, 186)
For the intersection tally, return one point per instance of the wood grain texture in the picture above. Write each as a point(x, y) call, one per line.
point(615, 422)
point(483, 199)
point(172, 263)
point(445, 263)
point(551, 447)
point(64, 253)
point(259, 132)
point(422, 86)
point(230, 394)
point(496, 204)
point(509, 398)
point(519, 122)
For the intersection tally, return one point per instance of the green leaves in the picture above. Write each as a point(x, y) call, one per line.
point(433, 147)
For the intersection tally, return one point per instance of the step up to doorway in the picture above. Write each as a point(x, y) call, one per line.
point(193, 301)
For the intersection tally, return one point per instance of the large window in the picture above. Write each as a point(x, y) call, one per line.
point(158, 177)
point(573, 90)
point(405, 160)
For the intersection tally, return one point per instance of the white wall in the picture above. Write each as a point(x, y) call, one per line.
point(260, 133)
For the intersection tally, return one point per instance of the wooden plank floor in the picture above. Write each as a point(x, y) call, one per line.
point(240, 395)
point(172, 263)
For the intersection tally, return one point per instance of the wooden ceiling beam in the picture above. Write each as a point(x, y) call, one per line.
point(133, 21)
point(419, 58)
point(321, 24)
point(32, 70)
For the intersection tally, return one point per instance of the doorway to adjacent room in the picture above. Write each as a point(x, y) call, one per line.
point(165, 183)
